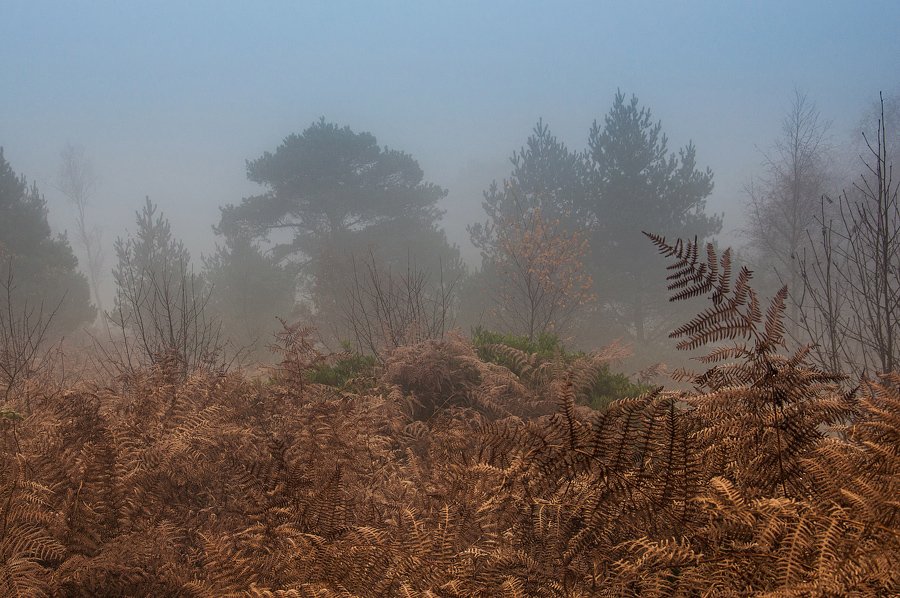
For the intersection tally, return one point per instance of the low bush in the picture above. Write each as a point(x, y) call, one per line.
point(344, 370)
point(606, 386)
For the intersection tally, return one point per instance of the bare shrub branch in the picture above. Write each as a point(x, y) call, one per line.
point(850, 277)
point(385, 310)
point(23, 332)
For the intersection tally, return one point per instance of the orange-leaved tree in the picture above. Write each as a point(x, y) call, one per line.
point(539, 275)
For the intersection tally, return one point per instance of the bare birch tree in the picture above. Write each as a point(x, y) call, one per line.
point(786, 200)
point(77, 181)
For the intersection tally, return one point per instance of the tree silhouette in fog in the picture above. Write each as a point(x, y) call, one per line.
point(327, 182)
point(636, 184)
point(160, 304)
point(334, 193)
point(533, 243)
point(44, 268)
point(249, 291)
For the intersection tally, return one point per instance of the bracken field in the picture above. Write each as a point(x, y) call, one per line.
point(443, 473)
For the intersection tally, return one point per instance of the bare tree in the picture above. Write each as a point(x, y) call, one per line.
point(852, 275)
point(871, 235)
point(161, 315)
point(385, 310)
point(886, 110)
point(77, 181)
point(784, 203)
point(822, 298)
point(160, 306)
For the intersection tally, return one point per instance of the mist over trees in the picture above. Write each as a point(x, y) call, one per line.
point(786, 200)
point(533, 278)
point(250, 291)
point(638, 185)
point(600, 200)
point(849, 291)
point(335, 194)
point(347, 234)
point(449, 299)
point(77, 180)
point(335, 403)
point(160, 310)
point(40, 269)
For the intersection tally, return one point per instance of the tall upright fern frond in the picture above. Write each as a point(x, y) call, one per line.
point(763, 412)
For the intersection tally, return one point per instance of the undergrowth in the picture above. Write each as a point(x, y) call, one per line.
point(606, 387)
point(344, 369)
point(453, 475)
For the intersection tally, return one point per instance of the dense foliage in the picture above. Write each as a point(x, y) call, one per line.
point(547, 348)
point(344, 369)
point(636, 184)
point(450, 475)
point(582, 213)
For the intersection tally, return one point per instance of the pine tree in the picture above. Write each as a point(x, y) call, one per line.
point(249, 291)
point(41, 266)
point(637, 185)
point(532, 244)
point(334, 195)
point(160, 304)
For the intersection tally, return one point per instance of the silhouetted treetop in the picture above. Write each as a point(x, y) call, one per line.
point(636, 184)
point(330, 180)
point(637, 179)
point(333, 196)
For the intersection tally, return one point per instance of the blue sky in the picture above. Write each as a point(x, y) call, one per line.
point(170, 98)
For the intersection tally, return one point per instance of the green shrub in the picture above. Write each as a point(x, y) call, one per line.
point(545, 346)
point(608, 386)
point(339, 372)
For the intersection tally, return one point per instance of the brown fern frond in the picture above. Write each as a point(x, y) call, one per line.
point(689, 277)
point(451, 476)
point(773, 333)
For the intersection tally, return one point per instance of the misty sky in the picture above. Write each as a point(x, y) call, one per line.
point(170, 98)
